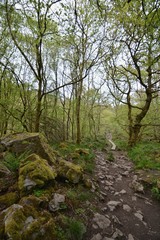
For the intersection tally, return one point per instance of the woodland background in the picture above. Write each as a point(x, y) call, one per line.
point(78, 70)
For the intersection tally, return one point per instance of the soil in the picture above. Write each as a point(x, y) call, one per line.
point(121, 202)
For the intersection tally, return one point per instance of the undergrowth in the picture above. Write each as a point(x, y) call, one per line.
point(78, 154)
point(12, 162)
point(146, 155)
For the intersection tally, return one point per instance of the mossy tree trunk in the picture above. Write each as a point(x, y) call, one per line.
point(135, 128)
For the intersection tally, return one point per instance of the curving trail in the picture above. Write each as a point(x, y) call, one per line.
point(124, 210)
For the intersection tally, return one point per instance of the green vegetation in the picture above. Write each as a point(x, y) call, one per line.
point(38, 192)
point(74, 229)
point(156, 192)
point(12, 162)
point(79, 194)
point(78, 154)
point(110, 156)
point(146, 155)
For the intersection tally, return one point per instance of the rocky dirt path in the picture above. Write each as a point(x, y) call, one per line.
point(124, 210)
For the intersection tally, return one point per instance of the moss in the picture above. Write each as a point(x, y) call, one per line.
point(2, 215)
point(63, 145)
point(25, 222)
point(31, 201)
point(14, 222)
point(74, 155)
point(8, 199)
point(70, 171)
point(37, 170)
point(43, 226)
point(82, 151)
point(48, 151)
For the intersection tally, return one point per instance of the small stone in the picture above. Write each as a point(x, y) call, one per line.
point(135, 178)
point(130, 237)
point(108, 183)
point(102, 177)
point(116, 220)
point(113, 204)
point(101, 221)
point(126, 173)
point(104, 209)
point(134, 198)
point(102, 181)
point(97, 237)
point(116, 194)
point(117, 234)
point(119, 178)
point(94, 226)
point(29, 184)
point(104, 194)
point(126, 208)
point(138, 187)
point(122, 191)
point(55, 203)
point(109, 177)
point(139, 216)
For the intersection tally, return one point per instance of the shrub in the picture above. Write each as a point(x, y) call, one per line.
point(76, 229)
point(144, 155)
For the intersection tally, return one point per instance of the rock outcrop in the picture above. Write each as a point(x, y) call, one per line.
point(19, 143)
point(25, 222)
point(70, 171)
point(34, 172)
point(30, 190)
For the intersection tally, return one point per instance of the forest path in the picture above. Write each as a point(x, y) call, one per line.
point(124, 210)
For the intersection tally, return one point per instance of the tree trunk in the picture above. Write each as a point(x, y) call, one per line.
point(135, 128)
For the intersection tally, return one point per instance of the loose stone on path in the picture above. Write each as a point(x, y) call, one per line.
point(122, 202)
point(101, 221)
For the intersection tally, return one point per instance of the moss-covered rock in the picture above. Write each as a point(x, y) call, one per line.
point(87, 181)
point(34, 172)
point(25, 222)
point(8, 199)
point(70, 171)
point(36, 202)
point(19, 143)
point(4, 171)
point(82, 151)
point(63, 145)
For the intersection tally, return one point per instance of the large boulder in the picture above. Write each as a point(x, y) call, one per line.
point(34, 172)
point(19, 143)
point(25, 222)
point(70, 171)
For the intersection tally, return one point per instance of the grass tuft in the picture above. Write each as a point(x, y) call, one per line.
point(144, 155)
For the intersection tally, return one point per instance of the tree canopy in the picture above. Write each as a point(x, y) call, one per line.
point(76, 69)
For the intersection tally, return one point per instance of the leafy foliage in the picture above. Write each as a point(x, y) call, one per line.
point(146, 155)
point(12, 162)
point(156, 192)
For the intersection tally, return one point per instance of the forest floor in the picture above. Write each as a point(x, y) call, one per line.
point(124, 209)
